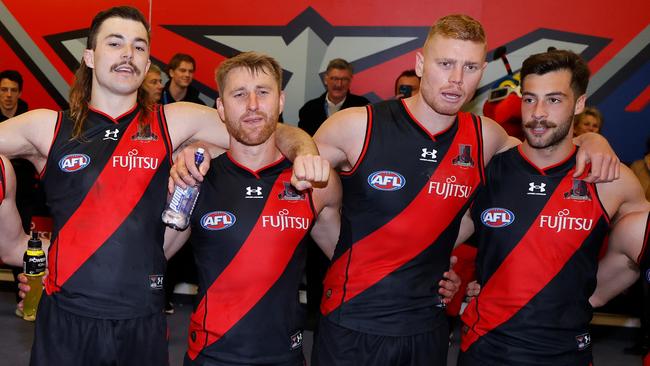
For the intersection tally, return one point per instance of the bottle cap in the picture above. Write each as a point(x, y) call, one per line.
point(198, 156)
point(34, 241)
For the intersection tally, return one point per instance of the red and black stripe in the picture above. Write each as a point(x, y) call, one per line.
point(528, 267)
point(83, 234)
point(378, 254)
point(248, 277)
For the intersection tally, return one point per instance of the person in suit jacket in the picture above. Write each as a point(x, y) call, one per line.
point(337, 79)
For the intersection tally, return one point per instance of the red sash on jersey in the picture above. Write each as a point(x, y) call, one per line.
point(389, 247)
point(238, 288)
point(529, 267)
point(116, 189)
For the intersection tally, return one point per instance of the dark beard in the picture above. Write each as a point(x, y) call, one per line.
point(266, 132)
point(559, 133)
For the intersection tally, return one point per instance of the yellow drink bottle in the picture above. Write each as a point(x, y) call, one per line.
point(34, 264)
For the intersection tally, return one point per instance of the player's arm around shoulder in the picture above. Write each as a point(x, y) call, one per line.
point(327, 225)
point(191, 121)
point(340, 138)
point(619, 268)
point(594, 149)
point(29, 136)
point(495, 139)
point(13, 239)
point(309, 168)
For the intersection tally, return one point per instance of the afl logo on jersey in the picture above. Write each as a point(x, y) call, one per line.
point(647, 275)
point(497, 217)
point(218, 220)
point(386, 180)
point(74, 162)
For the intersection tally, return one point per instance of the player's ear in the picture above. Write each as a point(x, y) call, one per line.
point(580, 104)
point(89, 58)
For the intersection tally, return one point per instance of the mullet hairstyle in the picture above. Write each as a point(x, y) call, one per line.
point(82, 86)
point(555, 60)
point(255, 62)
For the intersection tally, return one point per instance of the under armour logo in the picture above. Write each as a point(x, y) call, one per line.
point(429, 155)
point(537, 189)
point(250, 191)
point(111, 135)
point(541, 187)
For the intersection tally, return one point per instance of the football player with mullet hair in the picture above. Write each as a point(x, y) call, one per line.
point(539, 230)
point(104, 166)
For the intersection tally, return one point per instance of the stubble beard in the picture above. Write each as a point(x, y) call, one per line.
point(558, 134)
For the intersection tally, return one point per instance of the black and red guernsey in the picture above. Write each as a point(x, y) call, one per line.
point(106, 191)
point(248, 232)
point(539, 232)
point(402, 206)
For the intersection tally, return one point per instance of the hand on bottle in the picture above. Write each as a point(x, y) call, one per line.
point(184, 171)
point(23, 287)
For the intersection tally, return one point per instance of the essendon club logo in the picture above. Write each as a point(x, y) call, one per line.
point(386, 180)
point(579, 191)
point(218, 220)
point(74, 162)
point(289, 193)
point(497, 217)
point(464, 158)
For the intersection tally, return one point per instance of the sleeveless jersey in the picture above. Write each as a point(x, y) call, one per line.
point(248, 233)
point(402, 206)
point(106, 191)
point(539, 232)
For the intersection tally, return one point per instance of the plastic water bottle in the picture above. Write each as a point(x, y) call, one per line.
point(180, 206)
point(34, 263)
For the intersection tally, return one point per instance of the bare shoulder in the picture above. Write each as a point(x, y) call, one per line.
point(348, 121)
point(628, 182)
point(623, 196)
point(41, 115)
point(31, 132)
point(191, 121)
point(181, 111)
point(340, 138)
point(37, 117)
